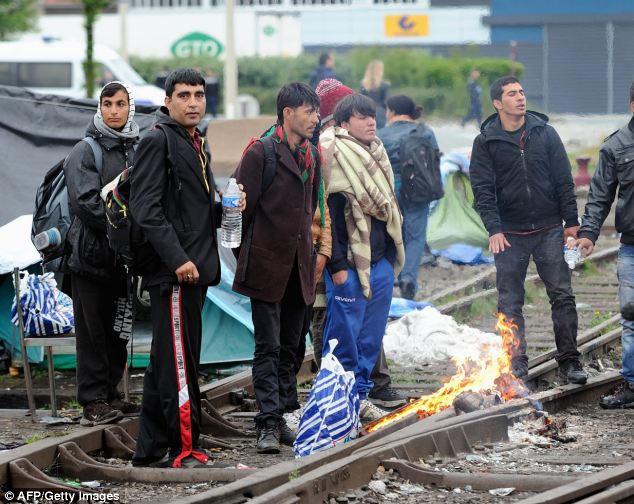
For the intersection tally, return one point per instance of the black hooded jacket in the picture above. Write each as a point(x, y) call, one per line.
point(173, 205)
point(615, 169)
point(91, 255)
point(522, 186)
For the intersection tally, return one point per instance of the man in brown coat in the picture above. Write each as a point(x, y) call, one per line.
point(276, 264)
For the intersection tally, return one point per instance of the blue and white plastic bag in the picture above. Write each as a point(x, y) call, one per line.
point(331, 415)
point(46, 311)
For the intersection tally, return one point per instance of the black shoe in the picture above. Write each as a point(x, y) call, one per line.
point(408, 290)
point(623, 397)
point(268, 439)
point(572, 372)
point(129, 409)
point(387, 397)
point(520, 372)
point(99, 413)
point(152, 462)
point(519, 366)
point(287, 437)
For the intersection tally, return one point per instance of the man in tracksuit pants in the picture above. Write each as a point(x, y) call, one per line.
point(367, 243)
point(172, 201)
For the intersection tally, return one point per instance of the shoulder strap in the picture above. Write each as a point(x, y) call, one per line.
point(270, 163)
point(96, 150)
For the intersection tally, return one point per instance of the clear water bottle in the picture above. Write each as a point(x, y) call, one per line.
point(231, 228)
point(571, 256)
point(47, 240)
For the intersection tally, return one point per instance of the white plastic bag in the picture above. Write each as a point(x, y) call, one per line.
point(46, 311)
point(331, 415)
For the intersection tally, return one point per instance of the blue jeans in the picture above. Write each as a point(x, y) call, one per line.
point(546, 248)
point(625, 273)
point(414, 238)
point(358, 323)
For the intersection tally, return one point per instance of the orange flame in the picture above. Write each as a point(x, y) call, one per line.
point(490, 372)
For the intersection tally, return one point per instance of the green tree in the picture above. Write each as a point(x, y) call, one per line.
point(17, 16)
point(92, 9)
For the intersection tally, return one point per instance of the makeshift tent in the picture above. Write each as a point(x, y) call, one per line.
point(454, 220)
point(36, 131)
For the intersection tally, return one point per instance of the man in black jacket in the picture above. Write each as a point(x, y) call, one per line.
point(614, 171)
point(172, 201)
point(523, 191)
point(98, 283)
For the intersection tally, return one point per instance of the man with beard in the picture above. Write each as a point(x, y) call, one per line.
point(276, 262)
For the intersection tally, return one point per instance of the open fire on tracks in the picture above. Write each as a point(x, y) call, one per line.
point(490, 373)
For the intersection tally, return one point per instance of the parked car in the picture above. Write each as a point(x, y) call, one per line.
point(56, 67)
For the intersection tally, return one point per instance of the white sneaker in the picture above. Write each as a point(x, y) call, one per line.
point(368, 412)
point(292, 419)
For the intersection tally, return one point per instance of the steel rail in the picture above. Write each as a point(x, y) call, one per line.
point(590, 484)
point(465, 302)
point(335, 469)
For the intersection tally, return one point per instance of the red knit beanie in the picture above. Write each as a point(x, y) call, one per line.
point(330, 92)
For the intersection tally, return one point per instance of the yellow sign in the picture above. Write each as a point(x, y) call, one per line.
point(406, 26)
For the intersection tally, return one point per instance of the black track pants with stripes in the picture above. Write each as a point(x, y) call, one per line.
point(170, 414)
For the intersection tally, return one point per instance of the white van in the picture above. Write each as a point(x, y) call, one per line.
point(55, 67)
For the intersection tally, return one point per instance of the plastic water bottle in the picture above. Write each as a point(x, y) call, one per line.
point(47, 240)
point(571, 256)
point(231, 228)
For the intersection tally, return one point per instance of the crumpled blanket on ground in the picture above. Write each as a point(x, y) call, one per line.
point(428, 335)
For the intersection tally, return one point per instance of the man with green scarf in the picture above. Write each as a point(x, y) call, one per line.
point(276, 263)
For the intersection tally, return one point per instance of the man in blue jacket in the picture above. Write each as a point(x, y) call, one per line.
point(524, 191)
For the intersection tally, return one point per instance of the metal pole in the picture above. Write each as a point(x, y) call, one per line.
point(231, 68)
point(123, 17)
point(609, 34)
point(545, 54)
point(25, 358)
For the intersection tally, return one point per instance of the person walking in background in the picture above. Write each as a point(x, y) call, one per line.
point(212, 92)
point(523, 191)
point(367, 246)
point(324, 70)
point(402, 116)
point(276, 262)
point(172, 202)
point(98, 283)
point(475, 92)
point(612, 174)
point(375, 87)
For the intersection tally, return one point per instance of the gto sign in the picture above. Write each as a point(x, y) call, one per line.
point(197, 44)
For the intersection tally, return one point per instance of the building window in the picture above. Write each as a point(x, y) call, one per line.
point(45, 75)
point(321, 2)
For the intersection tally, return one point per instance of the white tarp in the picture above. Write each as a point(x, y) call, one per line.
point(16, 248)
point(427, 335)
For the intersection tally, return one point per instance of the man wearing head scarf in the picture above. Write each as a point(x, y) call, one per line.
point(98, 283)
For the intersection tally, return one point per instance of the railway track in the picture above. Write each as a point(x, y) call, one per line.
point(102, 453)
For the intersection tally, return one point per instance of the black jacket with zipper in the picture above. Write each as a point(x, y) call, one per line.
point(91, 255)
point(615, 169)
point(172, 201)
point(522, 186)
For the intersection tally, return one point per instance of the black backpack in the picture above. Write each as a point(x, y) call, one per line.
point(52, 212)
point(125, 237)
point(268, 174)
point(420, 168)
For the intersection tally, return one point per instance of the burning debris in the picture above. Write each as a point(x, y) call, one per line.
point(469, 401)
point(488, 373)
